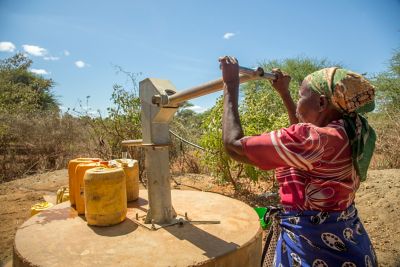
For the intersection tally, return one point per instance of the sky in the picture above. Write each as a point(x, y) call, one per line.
point(78, 44)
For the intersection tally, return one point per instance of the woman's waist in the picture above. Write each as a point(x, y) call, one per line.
point(308, 194)
point(317, 217)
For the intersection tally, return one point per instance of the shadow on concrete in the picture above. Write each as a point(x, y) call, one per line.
point(138, 204)
point(123, 228)
point(56, 213)
point(211, 245)
point(52, 214)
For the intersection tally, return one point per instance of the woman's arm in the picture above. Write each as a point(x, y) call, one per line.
point(281, 85)
point(232, 130)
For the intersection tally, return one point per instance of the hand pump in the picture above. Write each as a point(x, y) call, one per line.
point(159, 102)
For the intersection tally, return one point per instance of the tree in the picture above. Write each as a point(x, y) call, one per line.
point(22, 90)
point(385, 119)
point(388, 85)
point(123, 121)
point(185, 133)
point(34, 136)
point(261, 110)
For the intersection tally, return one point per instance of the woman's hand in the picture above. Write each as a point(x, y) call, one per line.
point(232, 131)
point(230, 69)
point(281, 83)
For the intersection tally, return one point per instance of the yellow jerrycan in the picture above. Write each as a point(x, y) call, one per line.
point(131, 170)
point(80, 171)
point(62, 194)
point(38, 207)
point(71, 175)
point(105, 196)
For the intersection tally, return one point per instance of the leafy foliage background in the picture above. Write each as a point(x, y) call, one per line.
point(36, 136)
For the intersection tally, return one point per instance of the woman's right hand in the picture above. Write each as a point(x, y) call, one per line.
point(281, 83)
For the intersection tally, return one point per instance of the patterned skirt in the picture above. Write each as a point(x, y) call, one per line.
point(322, 239)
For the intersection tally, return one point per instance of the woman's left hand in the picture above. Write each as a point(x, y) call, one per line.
point(230, 69)
point(282, 81)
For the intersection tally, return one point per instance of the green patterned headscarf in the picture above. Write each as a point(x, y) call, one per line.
point(351, 94)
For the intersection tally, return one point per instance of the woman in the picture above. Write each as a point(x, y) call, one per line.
point(319, 161)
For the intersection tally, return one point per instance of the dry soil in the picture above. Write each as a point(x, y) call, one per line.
point(378, 202)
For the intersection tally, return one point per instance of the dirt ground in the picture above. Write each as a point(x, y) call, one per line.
point(378, 202)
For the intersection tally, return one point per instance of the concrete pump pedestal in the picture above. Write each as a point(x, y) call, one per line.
point(59, 237)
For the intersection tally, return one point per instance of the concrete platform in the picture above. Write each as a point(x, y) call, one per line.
point(59, 237)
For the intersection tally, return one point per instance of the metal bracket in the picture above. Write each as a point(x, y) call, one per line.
point(160, 100)
point(179, 220)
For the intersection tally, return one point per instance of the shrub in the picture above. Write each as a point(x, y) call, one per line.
point(40, 141)
point(261, 110)
point(386, 118)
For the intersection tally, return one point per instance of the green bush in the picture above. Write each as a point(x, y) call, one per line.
point(33, 135)
point(261, 110)
point(386, 117)
point(22, 90)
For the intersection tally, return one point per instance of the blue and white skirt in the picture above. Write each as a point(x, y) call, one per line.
point(322, 239)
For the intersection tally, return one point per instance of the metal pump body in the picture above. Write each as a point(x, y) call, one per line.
point(156, 139)
point(160, 101)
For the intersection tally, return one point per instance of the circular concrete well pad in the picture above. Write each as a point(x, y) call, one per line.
point(59, 237)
